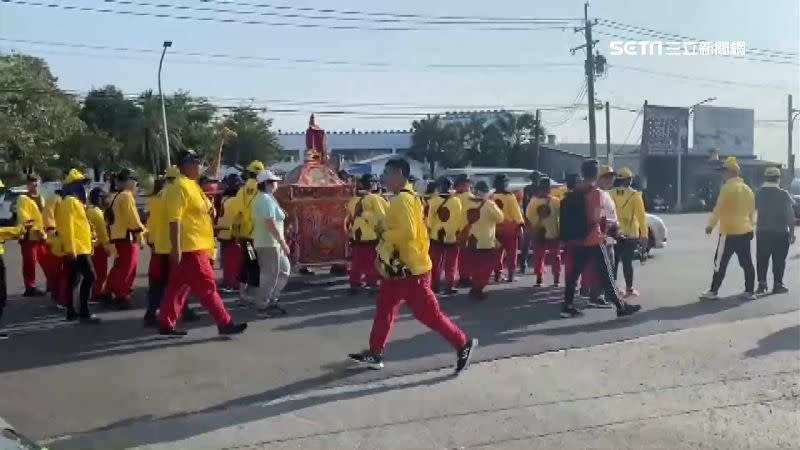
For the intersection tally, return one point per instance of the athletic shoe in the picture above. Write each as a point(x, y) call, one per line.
point(747, 296)
point(555, 284)
point(631, 293)
point(272, 310)
point(628, 309)
point(497, 277)
point(227, 291)
point(570, 311)
point(89, 319)
point(369, 359)
point(464, 356)
point(232, 328)
point(709, 295)
point(150, 320)
point(584, 292)
point(599, 302)
point(449, 291)
point(171, 332)
point(33, 292)
point(761, 289)
point(779, 289)
point(538, 282)
point(510, 278)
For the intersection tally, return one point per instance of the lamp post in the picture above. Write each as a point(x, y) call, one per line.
point(167, 44)
point(679, 201)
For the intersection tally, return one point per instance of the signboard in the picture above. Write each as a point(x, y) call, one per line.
point(665, 130)
point(728, 131)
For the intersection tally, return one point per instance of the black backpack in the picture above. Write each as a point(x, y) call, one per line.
point(574, 225)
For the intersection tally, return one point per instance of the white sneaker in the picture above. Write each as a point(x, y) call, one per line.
point(748, 296)
point(709, 295)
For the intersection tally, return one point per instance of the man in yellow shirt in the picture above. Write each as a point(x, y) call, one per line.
point(365, 214)
point(243, 228)
point(230, 248)
point(480, 235)
point(463, 187)
point(444, 223)
point(54, 256)
point(734, 211)
point(542, 216)
point(75, 234)
point(33, 243)
point(102, 244)
point(631, 226)
point(405, 265)
point(191, 238)
point(508, 231)
point(125, 230)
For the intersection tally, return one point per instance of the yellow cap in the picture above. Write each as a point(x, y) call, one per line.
point(605, 170)
point(73, 175)
point(731, 164)
point(772, 172)
point(172, 172)
point(624, 173)
point(255, 166)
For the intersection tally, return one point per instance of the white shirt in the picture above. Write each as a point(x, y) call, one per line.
point(608, 210)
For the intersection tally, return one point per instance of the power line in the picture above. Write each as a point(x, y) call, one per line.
point(209, 19)
point(700, 79)
point(633, 125)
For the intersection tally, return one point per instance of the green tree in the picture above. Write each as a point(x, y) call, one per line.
point(435, 142)
point(255, 140)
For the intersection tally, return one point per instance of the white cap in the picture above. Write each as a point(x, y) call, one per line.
point(267, 175)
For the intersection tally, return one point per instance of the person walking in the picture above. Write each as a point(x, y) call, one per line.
point(242, 228)
point(463, 187)
point(405, 265)
point(75, 234)
point(230, 249)
point(54, 255)
point(734, 212)
point(270, 243)
point(480, 237)
point(365, 214)
point(444, 222)
point(125, 231)
point(508, 231)
point(191, 235)
point(158, 269)
point(580, 225)
point(102, 245)
point(774, 231)
point(32, 245)
point(542, 217)
point(528, 193)
point(632, 227)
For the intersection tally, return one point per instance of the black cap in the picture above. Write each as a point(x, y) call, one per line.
point(126, 174)
point(188, 156)
point(544, 182)
point(444, 183)
point(367, 178)
point(462, 178)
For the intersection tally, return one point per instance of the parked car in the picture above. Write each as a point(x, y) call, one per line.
point(11, 440)
point(8, 206)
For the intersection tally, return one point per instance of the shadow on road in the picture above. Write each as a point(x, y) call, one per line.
point(787, 339)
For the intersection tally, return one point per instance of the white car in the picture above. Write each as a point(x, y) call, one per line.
point(657, 232)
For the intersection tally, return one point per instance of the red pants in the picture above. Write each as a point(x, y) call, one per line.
point(416, 291)
point(507, 252)
point(231, 263)
point(482, 263)
point(32, 253)
point(540, 249)
point(59, 280)
point(362, 264)
point(462, 263)
point(123, 272)
point(444, 256)
point(100, 264)
point(195, 275)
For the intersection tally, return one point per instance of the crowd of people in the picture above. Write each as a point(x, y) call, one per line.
point(409, 247)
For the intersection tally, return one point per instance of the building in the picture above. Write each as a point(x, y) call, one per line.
point(346, 147)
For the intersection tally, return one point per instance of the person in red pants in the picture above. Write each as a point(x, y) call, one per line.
point(126, 231)
point(444, 221)
point(480, 234)
point(32, 244)
point(542, 219)
point(102, 245)
point(53, 257)
point(365, 215)
point(508, 232)
point(463, 186)
point(230, 248)
point(191, 235)
point(405, 266)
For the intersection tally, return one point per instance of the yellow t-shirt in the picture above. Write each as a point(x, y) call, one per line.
point(29, 216)
point(365, 224)
point(49, 219)
point(482, 233)
point(445, 206)
point(127, 223)
point(549, 223)
point(242, 220)
point(157, 226)
point(98, 223)
point(225, 221)
point(185, 203)
point(735, 209)
point(405, 238)
point(74, 231)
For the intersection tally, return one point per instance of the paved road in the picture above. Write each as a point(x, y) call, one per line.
point(61, 379)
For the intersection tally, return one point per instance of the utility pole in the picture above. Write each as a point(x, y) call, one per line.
point(537, 129)
point(167, 44)
point(790, 153)
point(609, 153)
point(589, 66)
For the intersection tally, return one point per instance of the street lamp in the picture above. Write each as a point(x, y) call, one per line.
point(679, 202)
point(167, 44)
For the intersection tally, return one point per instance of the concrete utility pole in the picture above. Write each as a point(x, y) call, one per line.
point(790, 153)
point(609, 153)
point(537, 135)
point(589, 66)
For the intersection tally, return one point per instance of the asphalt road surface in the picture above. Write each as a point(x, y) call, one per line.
point(60, 379)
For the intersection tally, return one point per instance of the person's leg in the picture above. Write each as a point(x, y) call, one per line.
point(371, 275)
point(202, 285)
point(425, 307)
point(231, 263)
point(554, 249)
point(29, 252)
point(41, 256)
point(779, 254)
point(390, 294)
point(722, 257)
point(268, 264)
point(3, 287)
point(524, 251)
point(175, 294)
point(580, 256)
point(157, 276)
point(100, 264)
point(482, 261)
point(450, 262)
point(499, 255)
point(539, 252)
point(625, 253)
point(356, 265)
point(602, 270)
point(47, 261)
point(130, 274)
point(763, 251)
point(86, 270)
point(284, 270)
point(618, 252)
point(463, 266)
point(72, 274)
point(115, 275)
point(743, 254)
point(437, 260)
point(512, 249)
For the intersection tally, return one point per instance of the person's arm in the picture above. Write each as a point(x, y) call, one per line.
point(594, 207)
point(66, 227)
point(402, 230)
point(24, 218)
point(132, 214)
point(789, 211)
point(435, 202)
point(516, 212)
point(641, 215)
point(751, 206)
point(9, 233)
point(722, 198)
point(174, 204)
point(495, 213)
point(531, 217)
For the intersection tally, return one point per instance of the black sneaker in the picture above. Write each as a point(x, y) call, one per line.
point(150, 320)
point(497, 277)
point(275, 310)
point(369, 359)
point(32, 292)
point(171, 333)
point(464, 356)
point(189, 315)
point(762, 289)
point(449, 291)
point(538, 282)
point(779, 289)
point(568, 312)
point(555, 284)
point(599, 302)
point(232, 328)
point(628, 309)
point(510, 278)
point(89, 319)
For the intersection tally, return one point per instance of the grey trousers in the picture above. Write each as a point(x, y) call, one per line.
point(274, 273)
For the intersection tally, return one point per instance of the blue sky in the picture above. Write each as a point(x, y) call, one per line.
point(545, 72)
